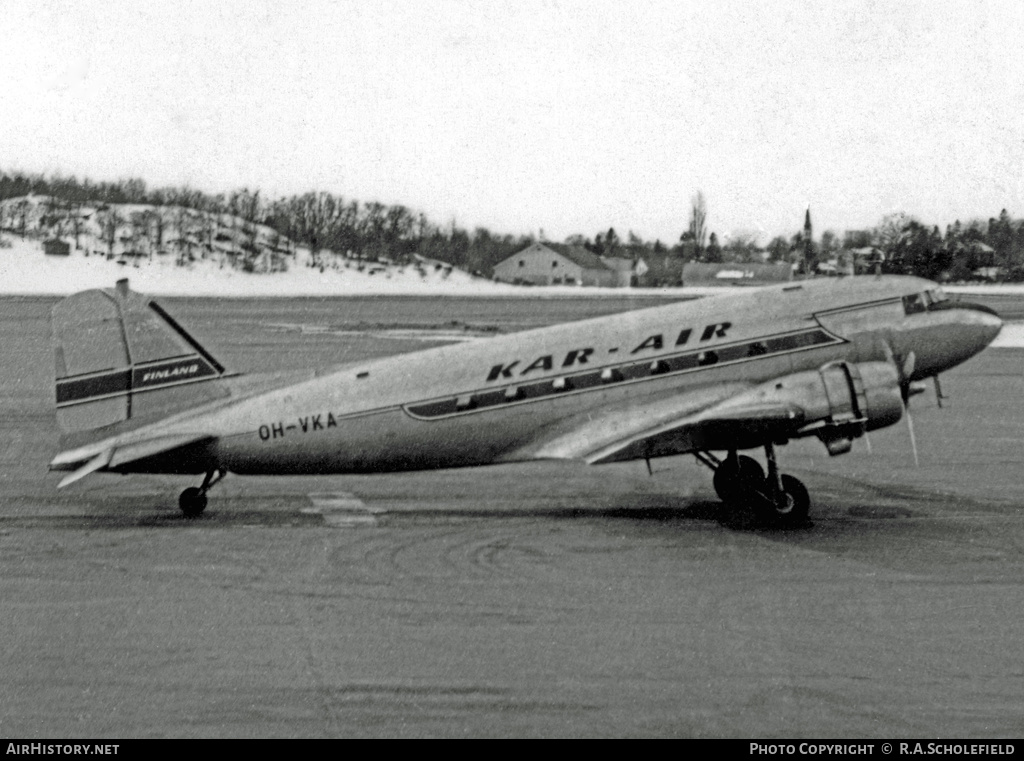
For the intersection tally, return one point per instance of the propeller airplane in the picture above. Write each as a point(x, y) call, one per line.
point(831, 358)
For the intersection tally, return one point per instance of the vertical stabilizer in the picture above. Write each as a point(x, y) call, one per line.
point(119, 356)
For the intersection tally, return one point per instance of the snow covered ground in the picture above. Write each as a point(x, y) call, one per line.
point(25, 269)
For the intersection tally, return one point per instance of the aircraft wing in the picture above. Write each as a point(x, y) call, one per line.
point(725, 417)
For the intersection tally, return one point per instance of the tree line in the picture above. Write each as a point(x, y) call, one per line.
point(369, 231)
point(373, 231)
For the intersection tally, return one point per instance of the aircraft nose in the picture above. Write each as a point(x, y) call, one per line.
point(960, 330)
point(984, 322)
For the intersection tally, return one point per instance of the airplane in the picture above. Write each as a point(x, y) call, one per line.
point(831, 358)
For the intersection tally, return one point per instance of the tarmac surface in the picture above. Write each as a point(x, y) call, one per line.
point(533, 600)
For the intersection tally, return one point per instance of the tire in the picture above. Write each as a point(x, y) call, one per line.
point(731, 484)
point(798, 503)
point(192, 502)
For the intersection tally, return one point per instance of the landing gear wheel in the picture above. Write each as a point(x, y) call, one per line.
point(792, 505)
point(192, 502)
point(733, 482)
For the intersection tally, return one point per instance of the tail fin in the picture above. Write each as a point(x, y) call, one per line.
point(120, 356)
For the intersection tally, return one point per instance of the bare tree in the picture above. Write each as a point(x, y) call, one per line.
point(742, 246)
point(891, 231)
point(110, 221)
point(140, 238)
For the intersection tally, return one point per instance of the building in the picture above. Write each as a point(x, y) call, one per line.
point(56, 247)
point(561, 264)
point(867, 259)
point(627, 271)
point(736, 273)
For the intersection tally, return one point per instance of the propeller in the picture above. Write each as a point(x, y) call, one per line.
point(907, 390)
point(905, 370)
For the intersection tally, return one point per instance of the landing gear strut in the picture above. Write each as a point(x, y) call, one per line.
point(740, 481)
point(193, 500)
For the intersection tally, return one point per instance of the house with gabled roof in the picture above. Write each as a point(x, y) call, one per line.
point(546, 263)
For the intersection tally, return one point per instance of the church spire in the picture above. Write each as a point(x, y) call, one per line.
point(808, 241)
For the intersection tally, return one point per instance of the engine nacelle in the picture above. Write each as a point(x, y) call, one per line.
point(882, 394)
point(838, 403)
point(857, 397)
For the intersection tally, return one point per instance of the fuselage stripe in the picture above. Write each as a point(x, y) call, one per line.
point(143, 377)
point(634, 371)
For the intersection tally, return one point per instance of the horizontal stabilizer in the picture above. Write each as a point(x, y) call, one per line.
point(152, 447)
point(97, 462)
point(111, 455)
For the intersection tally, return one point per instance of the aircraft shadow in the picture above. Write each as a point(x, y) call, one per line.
point(118, 514)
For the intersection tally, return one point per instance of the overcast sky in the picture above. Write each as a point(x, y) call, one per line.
point(564, 116)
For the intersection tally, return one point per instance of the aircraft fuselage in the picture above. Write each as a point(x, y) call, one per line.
point(493, 400)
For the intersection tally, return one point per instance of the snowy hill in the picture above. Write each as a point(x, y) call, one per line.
point(173, 250)
point(25, 269)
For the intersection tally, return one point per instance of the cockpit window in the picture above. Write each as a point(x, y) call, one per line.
point(937, 295)
point(914, 303)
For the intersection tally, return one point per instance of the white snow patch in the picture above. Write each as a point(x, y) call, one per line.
point(1010, 337)
point(25, 269)
point(1008, 289)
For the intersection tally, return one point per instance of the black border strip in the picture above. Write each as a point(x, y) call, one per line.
point(633, 371)
point(95, 386)
point(114, 395)
point(132, 380)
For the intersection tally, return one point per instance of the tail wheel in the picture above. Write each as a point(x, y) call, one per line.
point(732, 482)
point(192, 502)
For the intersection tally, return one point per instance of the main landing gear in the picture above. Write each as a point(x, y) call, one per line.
point(193, 500)
point(741, 482)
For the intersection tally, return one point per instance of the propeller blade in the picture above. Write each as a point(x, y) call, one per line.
point(905, 369)
point(938, 391)
point(913, 438)
point(908, 366)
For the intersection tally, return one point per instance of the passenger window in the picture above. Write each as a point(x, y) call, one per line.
point(706, 358)
point(914, 303)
